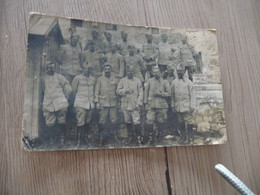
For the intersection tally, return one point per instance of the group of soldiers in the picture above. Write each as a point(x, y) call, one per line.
point(106, 77)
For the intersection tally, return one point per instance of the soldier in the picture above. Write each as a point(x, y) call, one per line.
point(165, 58)
point(169, 74)
point(156, 92)
point(123, 47)
point(83, 91)
point(94, 41)
point(106, 101)
point(116, 61)
point(187, 54)
point(130, 89)
point(108, 42)
point(136, 62)
point(92, 58)
point(69, 58)
point(150, 54)
point(183, 104)
point(57, 90)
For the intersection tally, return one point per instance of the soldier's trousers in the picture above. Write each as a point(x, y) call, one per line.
point(132, 116)
point(108, 111)
point(52, 117)
point(158, 114)
point(184, 117)
point(83, 115)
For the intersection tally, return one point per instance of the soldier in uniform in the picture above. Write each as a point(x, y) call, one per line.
point(92, 58)
point(150, 54)
point(183, 104)
point(106, 101)
point(123, 47)
point(69, 58)
point(57, 90)
point(107, 43)
point(94, 41)
point(135, 62)
point(187, 54)
point(83, 91)
point(131, 92)
point(116, 61)
point(165, 58)
point(157, 91)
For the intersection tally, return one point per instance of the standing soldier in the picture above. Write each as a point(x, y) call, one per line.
point(107, 43)
point(83, 91)
point(106, 101)
point(183, 104)
point(135, 62)
point(187, 54)
point(130, 89)
point(123, 47)
point(94, 40)
point(116, 61)
point(156, 92)
point(57, 90)
point(92, 58)
point(69, 58)
point(165, 58)
point(150, 54)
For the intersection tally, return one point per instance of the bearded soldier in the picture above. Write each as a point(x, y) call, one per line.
point(106, 101)
point(69, 58)
point(130, 89)
point(83, 91)
point(183, 104)
point(157, 90)
point(57, 90)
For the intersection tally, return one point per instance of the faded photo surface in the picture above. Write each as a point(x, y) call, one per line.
point(92, 85)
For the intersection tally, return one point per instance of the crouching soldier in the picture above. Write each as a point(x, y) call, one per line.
point(106, 101)
point(83, 91)
point(157, 90)
point(57, 90)
point(130, 89)
point(183, 104)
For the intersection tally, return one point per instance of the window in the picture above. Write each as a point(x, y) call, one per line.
point(155, 31)
point(77, 23)
point(111, 27)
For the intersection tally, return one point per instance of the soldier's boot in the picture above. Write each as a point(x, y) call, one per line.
point(101, 129)
point(80, 131)
point(130, 133)
point(62, 133)
point(149, 128)
point(161, 129)
point(190, 136)
point(182, 133)
point(138, 133)
point(112, 132)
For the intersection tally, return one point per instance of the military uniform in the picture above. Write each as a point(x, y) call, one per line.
point(136, 63)
point(156, 92)
point(56, 90)
point(70, 61)
point(117, 64)
point(83, 88)
point(123, 48)
point(166, 55)
point(105, 95)
point(93, 59)
point(183, 103)
point(187, 56)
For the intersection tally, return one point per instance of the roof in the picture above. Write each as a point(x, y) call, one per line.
point(42, 25)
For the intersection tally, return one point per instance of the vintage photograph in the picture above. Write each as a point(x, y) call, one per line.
point(93, 85)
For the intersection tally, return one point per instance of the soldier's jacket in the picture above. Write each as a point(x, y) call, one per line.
point(182, 95)
point(136, 63)
point(106, 45)
point(130, 100)
point(56, 90)
point(151, 51)
point(166, 54)
point(155, 87)
point(92, 58)
point(123, 48)
point(105, 91)
point(187, 55)
point(97, 43)
point(117, 64)
point(83, 91)
point(70, 60)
